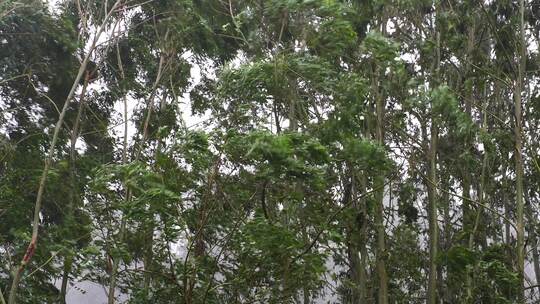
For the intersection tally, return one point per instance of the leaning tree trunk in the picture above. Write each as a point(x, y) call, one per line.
point(18, 272)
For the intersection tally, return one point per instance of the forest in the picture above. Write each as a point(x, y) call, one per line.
point(269, 151)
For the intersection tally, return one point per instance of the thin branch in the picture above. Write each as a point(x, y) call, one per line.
point(332, 217)
point(472, 201)
point(44, 264)
point(14, 77)
point(39, 198)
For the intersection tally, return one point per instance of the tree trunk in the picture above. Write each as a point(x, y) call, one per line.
point(362, 278)
point(357, 234)
point(445, 289)
point(68, 259)
point(520, 233)
point(122, 231)
point(432, 210)
point(468, 215)
point(533, 240)
point(18, 272)
point(149, 231)
point(481, 199)
point(379, 196)
point(68, 262)
point(432, 190)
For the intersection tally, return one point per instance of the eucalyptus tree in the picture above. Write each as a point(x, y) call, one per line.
point(33, 79)
point(350, 151)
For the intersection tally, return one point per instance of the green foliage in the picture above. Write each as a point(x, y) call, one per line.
point(366, 155)
point(459, 259)
point(333, 38)
point(407, 272)
point(407, 198)
point(310, 172)
point(268, 254)
point(380, 48)
point(288, 155)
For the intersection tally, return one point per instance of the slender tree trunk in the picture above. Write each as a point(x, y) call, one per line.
point(68, 262)
point(362, 279)
point(520, 233)
point(68, 259)
point(432, 208)
point(357, 237)
point(352, 294)
point(379, 196)
point(305, 290)
point(307, 299)
point(122, 231)
point(481, 199)
point(114, 267)
point(533, 240)
point(149, 231)
point(114, 271)
point(536, 260)
point(445, 289)
point(197, 245)
point(507, 234)
point(468, 215)
point(18, 272)
point(432, 192)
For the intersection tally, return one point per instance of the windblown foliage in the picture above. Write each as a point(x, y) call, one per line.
point(282, 151)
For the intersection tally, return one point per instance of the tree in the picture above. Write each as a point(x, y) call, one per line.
point(277, 151)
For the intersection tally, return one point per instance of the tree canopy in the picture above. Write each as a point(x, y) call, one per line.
point(278, 151)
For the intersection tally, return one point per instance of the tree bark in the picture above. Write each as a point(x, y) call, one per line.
point(362, 278)
point(445, 290)
point(432, 209)
point(432, 191)
point(357, 238)
point(520, 233)
point(379, 196)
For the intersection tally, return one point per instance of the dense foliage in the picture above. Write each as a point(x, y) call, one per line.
point(277, 151)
